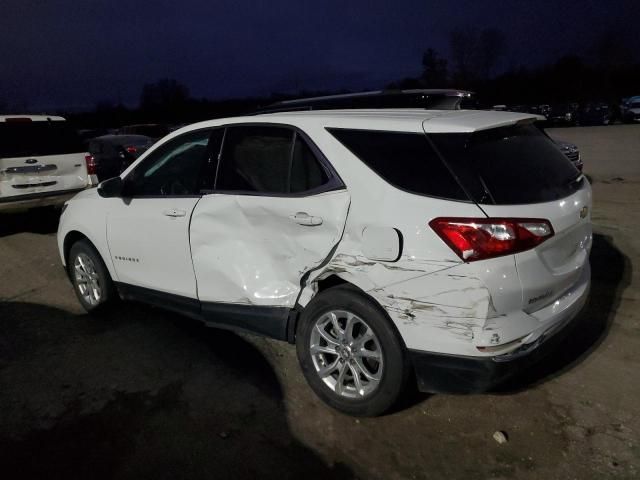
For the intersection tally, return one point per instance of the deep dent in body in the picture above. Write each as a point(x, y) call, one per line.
point(412, 303)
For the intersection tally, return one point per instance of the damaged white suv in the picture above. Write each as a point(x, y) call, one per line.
point(447, 245)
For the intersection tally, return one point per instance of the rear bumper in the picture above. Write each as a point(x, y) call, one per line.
point(440, 373)
point(443, 373)
point(33, 200)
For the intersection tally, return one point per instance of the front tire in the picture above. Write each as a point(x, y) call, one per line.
point(90, 278)
point(350, 353)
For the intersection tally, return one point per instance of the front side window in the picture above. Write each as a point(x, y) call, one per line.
point(184, 165)
point(268, 159)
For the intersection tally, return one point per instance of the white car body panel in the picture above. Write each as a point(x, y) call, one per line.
point(247, 249)
point(547, 271)
point(86, 214)
point(133, 231)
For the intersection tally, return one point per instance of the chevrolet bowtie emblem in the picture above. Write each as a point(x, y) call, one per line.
point(583, 211)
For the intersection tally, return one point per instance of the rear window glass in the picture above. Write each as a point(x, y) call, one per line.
point(509, 165)
point(405, 160)
point(26, 139)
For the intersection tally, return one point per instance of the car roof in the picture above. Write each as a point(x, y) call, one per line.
point(122, 138)
point(404, 120)
point(33, 118)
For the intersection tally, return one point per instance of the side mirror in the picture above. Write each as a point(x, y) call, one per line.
point(111, 188)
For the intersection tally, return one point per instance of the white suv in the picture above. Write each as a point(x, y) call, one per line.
point(42, 162)
point(449, 245)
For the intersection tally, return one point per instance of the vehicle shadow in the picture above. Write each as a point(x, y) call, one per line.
point(38, 220)
point(140, 394)
point(610, 275)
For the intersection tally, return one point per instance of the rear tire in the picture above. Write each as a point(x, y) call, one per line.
point(350, 353)
point(90, 278)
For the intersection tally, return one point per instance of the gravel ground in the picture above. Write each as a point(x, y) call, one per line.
point(146, 394)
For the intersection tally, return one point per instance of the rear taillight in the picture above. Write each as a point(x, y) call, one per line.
point(132, 150)
point(479, 238)
point(91, 164)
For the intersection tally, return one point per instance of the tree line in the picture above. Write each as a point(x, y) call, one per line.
point(478, 60)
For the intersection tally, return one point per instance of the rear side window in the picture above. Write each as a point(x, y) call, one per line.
point(405, 160)
point(255, 159)
point(509, 165)
point(268, 159)
point(27, 139)
point(182, 166)
point(306, 171)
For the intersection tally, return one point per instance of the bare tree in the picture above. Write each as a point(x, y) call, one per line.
point(163, 94)
point(435, 72)
point(491, 47)
point(463, 52)
point(476, 54)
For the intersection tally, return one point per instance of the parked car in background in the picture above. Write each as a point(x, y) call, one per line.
point(563, 115)
point(595, 113)
point(87, 134)
point(178, 126)
point(112, 154)
point(630, 110)
point(447, 246)
point(151, 130)
point(42, 162)
point(572, 152)
point(543, 109)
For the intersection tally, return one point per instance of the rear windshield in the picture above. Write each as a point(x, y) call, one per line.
point(509, 165)
point(405, 160)
point(26, 139)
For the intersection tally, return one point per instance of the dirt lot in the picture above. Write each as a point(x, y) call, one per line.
point(146, 394)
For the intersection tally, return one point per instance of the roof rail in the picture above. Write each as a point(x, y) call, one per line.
point(433, 99)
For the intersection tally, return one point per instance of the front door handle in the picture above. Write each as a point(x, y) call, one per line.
point(172, 212)
point(303, 218)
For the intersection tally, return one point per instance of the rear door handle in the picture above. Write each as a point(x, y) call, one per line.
point(303, 218)
point(172, 212)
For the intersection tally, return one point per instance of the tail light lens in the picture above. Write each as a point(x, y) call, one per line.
point(132, 150)
point(91, 164)
point(480, 238)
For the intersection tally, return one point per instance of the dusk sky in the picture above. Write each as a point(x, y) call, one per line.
point(64, 53)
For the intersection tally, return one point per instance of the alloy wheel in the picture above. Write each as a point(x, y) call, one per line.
point(346, 354)
point(87, 279)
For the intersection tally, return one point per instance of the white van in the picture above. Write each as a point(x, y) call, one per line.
point(42, 162)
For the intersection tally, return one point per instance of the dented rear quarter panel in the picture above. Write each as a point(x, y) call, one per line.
point(437, 302)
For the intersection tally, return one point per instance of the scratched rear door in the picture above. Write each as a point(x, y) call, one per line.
point(38, 157)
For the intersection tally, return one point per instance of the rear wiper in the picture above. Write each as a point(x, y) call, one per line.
point(486, 193)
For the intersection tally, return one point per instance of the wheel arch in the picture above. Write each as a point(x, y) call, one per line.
point(75, 235)
point(335, 280)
